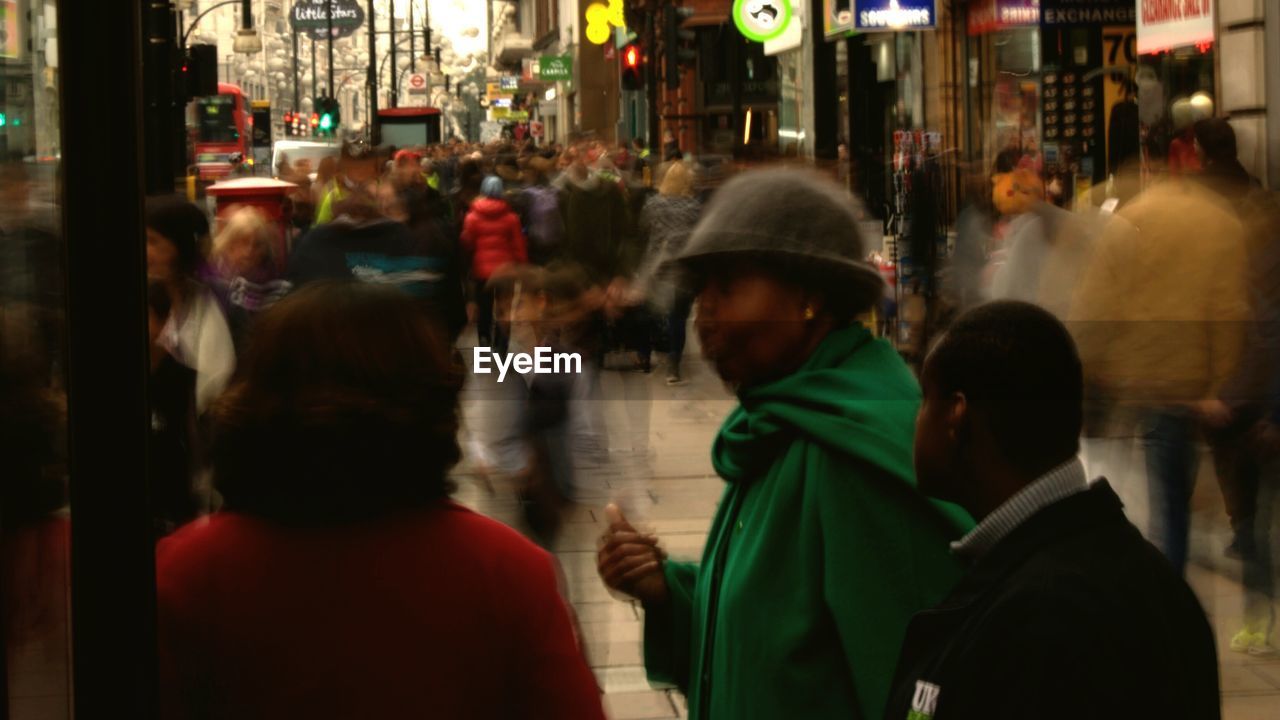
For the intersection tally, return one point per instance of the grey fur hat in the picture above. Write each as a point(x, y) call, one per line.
point(785, 212)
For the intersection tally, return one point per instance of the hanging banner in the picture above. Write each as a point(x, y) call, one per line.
point(887, 15)
point(990, 15)
point(762, 20)
point(1169, 24)
point(1087, 12)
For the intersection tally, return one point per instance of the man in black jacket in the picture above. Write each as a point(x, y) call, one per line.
point(1066, 612)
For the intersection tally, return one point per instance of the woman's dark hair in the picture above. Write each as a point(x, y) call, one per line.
point(346, 408)
point(183, 224)
point(158, 300)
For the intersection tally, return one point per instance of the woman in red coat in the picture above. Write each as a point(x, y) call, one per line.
point(339, 581)
point(492, 234)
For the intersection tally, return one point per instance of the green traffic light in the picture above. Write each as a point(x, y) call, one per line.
point(4, 119)
point(326, 122)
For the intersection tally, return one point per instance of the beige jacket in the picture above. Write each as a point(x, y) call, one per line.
point(1160, 313)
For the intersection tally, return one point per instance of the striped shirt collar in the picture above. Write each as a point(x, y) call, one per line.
point(1057, 484)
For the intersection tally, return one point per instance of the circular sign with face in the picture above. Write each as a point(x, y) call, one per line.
point(761, 20)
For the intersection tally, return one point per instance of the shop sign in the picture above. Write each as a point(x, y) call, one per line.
point(762, 20)
point(837, 18)
point(11, 41)
point(312, 17)
point(888, 15)
point(1087, 12)
point(554, 68)
point(793, 36)
point(1168, 24)
point(507, 114)
point(509, 82)
point(990, 15)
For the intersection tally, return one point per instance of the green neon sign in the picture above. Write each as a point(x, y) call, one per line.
point(761, 20)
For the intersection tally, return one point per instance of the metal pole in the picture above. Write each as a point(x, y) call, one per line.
point(329, 22)
point(313, 69)
point(395, 86)
point(413, 48)
point(373, 78)
point(296, 98)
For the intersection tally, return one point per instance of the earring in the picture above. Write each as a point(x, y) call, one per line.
point(808, 312)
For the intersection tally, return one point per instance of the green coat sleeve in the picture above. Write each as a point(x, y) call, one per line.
point(886, 556)
point(668, 630)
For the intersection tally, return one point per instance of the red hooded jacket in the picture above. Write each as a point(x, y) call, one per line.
point(492, 234)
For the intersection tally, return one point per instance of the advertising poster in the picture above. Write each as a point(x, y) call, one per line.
point(11, 42)
point(1168, 24)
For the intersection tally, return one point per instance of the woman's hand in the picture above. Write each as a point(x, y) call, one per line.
point(630, 561)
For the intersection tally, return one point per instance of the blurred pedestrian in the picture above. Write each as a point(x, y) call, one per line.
point(665, 223)
point(247, 271)
point(1062, 591)
point(333, 455)
point(1159, 318)
point(543, 220)
point(1243, 444)
point(492, 236)
point(196, 333)
point(822, 549)
point(174, 447)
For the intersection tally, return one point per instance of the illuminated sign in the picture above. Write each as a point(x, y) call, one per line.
point(989, 15)
point(601, 19)
point(1087, 12)
point(894, 14)
point(761, 20)
point(1168, 24)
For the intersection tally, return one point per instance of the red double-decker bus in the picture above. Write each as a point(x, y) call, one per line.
point(223, 132)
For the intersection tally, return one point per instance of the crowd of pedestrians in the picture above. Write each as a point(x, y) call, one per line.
point(887, 545)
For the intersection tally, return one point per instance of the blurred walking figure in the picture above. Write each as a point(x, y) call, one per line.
point(1046, 248)
point(248, 273)
point(1244, 443)
point(1159, 319)
point(492, 236)
point(1062, 592)
point(196, 332)
point(333, 453)
point(665, 223)
point(175, 454)
point(821, 549)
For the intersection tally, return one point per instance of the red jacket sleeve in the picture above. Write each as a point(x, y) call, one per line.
point(552, 680)
point(519, 246)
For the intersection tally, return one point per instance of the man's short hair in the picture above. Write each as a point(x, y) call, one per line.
point(1018, 364)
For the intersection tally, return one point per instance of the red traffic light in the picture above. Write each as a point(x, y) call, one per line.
point(315, 119)
point(631, 57)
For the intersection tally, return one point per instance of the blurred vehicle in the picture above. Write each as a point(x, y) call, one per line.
point(310, 151)
point(223, 136)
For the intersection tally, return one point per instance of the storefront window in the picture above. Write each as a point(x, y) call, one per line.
point(791, 136)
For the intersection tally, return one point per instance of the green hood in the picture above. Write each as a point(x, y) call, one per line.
point(854, 396)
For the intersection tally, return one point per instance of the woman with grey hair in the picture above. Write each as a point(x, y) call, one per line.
point(821, 549)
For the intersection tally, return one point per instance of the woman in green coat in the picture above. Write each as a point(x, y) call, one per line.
point(821, 549)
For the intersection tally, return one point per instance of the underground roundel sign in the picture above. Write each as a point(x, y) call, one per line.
point(761, 20)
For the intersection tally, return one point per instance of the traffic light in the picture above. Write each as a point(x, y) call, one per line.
point(328, 116)
point(199, 71)
point(675, 39)
point(632, 67)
